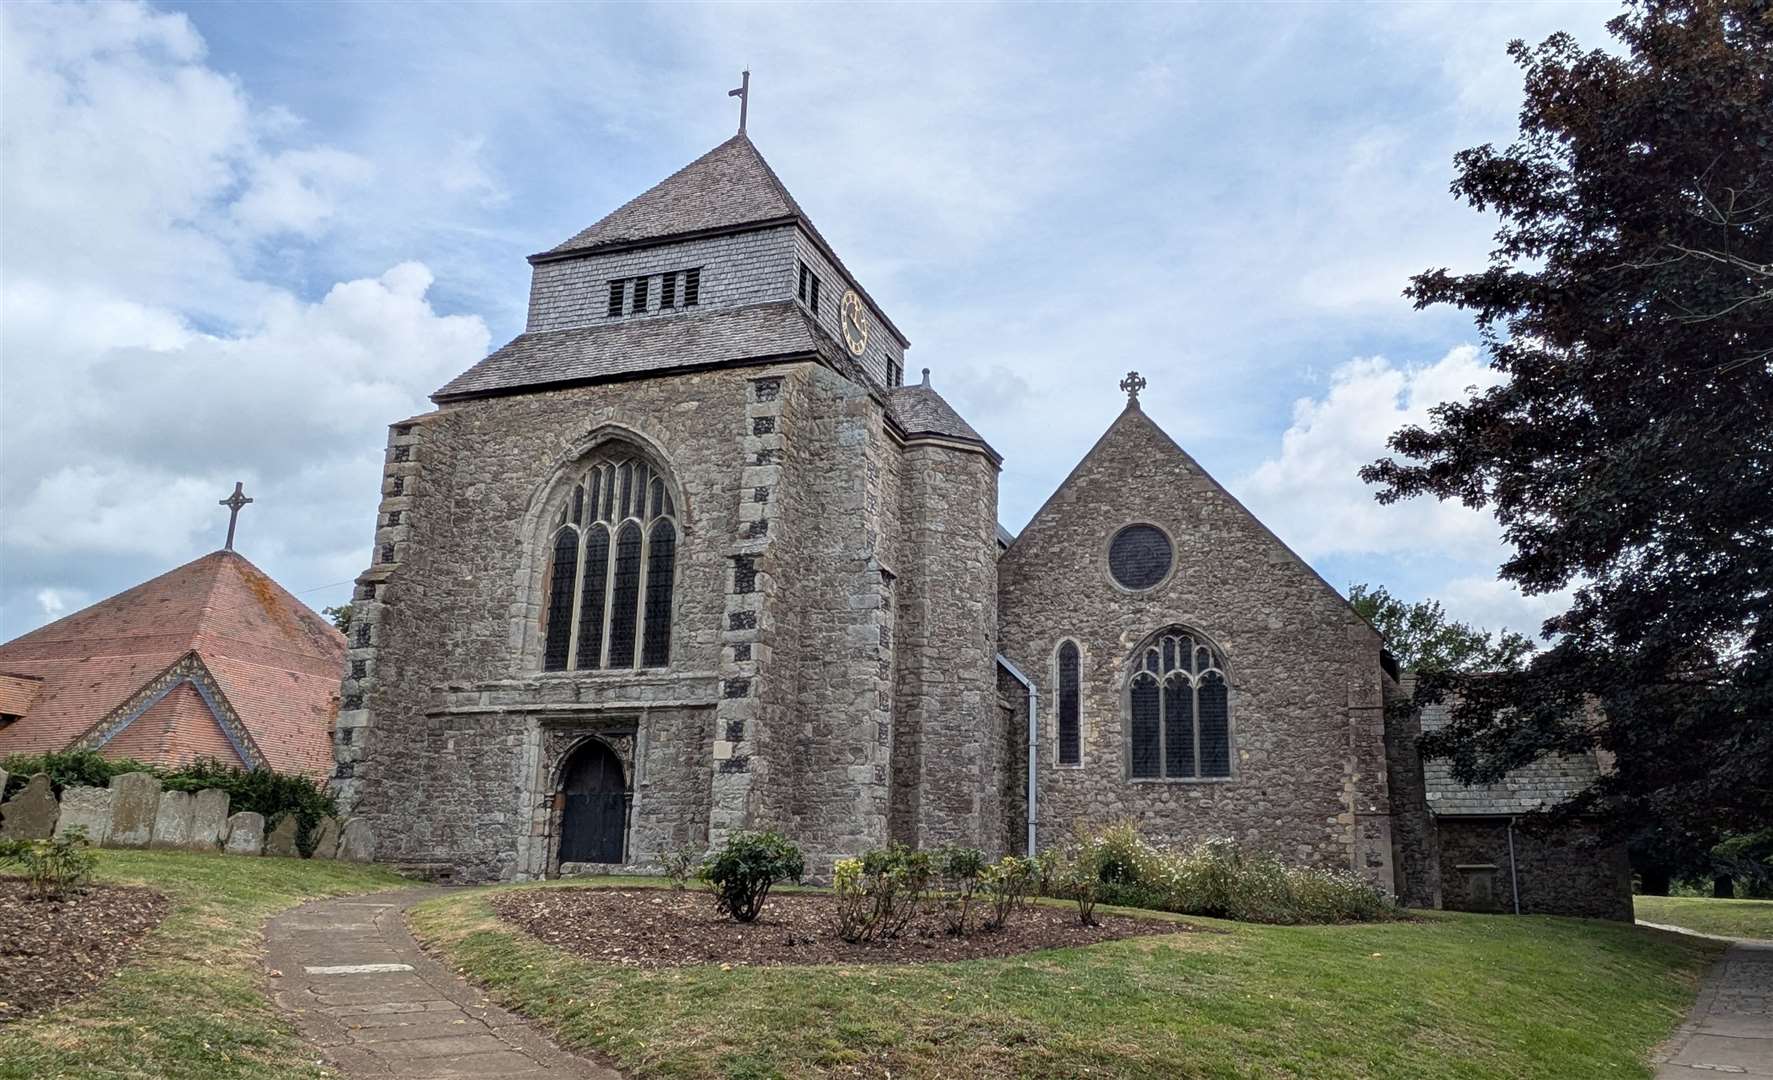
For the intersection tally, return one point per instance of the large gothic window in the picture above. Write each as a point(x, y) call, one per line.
point(1179, 710)
point(611, 569)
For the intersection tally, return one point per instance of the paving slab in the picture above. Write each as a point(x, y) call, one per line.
point(361, 992)
point(1730, 1030)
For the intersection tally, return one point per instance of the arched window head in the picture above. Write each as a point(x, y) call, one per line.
point(612, 566)
point(1179, 710)
point(1070, 735)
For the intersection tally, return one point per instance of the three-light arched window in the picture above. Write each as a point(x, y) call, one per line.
point(611, 567)
point(1179, 705)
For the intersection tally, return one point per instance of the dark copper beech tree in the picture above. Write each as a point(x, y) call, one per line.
point(1629, 454)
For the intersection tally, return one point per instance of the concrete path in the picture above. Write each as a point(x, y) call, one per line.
point(360, 990)
point(1730, 1030)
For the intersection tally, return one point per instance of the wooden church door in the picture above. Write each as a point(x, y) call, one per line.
point(594, 823)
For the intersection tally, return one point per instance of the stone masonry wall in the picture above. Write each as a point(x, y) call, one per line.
point(1565, 871)
point(440, 734)
point(948, 753)
point(1415, 842)
point(1308, 769)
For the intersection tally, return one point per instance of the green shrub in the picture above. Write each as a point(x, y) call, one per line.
point(880, 893)
point(741, 873)
point(261, 791)
point(1218, 879)
point(959, 868)
point(1007, 884)
point(54, 867)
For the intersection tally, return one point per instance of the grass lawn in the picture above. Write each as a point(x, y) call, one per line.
point(189, 1003)
point(1449, 996)
point(1728, 918)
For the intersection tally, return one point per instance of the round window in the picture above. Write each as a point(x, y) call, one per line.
point(1139, 556)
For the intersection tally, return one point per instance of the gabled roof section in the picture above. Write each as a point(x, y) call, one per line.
point(1553, 779)
point(275, 659)
point(532, 361)
point(1133, 420)
point(919, 410)
point(729, 187)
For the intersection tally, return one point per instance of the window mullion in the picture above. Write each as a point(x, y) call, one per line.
point(609, 591)
point(1194, 722)
point(646, 544)
point(572, 640)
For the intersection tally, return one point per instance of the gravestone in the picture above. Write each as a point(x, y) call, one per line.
point(87, 808)
point(282, 840)
point(356, 842)
point(4, 776)
point(326, 839)
point(172, 824)
point(209, 819)
point(246, 834)
point(31, 814)
point(135, 802)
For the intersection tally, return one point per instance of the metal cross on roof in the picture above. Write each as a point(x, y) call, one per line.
point(1132, 384)
point(234, 502)
point(743, 93)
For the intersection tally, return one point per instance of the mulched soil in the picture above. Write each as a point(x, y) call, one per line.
point(55, 950)
point(654, 928)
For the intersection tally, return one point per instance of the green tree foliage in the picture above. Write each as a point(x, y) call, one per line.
point(741, 872)
point(340, 616)
point(1629, 451)
point(1422, 638)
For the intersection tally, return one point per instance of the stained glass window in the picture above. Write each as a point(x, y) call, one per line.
point(1139, 556)
point(1069, 748)
point(562, 568)
point(1180, 704)
point(617, 523)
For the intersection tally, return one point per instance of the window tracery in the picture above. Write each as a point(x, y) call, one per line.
point(1179, 710)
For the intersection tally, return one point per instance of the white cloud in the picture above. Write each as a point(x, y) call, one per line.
point(145, 365)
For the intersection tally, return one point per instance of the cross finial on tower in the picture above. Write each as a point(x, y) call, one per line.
point(1132, 384)
point(234, 502)
point(743, 93)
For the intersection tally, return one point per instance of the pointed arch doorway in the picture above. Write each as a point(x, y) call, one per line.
point(594, 817)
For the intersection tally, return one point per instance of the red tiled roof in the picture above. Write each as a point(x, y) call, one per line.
point(177, 730)
point(17, 693)
point(277, 662)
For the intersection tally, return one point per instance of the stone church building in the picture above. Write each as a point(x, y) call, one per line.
point(690, 555)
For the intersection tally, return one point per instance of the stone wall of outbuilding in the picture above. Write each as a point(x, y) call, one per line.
point(1308, 766)
point(1570, 870)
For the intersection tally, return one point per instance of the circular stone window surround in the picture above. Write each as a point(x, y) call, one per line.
point(1108, 559)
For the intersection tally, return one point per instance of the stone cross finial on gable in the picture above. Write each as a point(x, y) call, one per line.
point(743, 93)
point(1132, 384)
point(234, 502)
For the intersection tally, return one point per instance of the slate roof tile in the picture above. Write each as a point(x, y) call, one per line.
point(919, 410)
point(1546, 782)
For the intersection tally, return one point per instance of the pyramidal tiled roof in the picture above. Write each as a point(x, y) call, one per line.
point(919, 410)
point(728, 187)
point(275, 661)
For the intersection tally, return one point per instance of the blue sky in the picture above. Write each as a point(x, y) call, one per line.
point(236, 241)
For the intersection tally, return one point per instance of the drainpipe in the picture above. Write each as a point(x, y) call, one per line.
point(1033, 747)
point(1514, 881)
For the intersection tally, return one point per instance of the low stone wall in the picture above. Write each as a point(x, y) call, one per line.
point(134, 813)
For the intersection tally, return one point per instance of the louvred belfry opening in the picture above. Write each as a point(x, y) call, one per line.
point(613, 567)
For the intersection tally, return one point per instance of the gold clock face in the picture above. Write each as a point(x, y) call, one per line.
point(855, 323)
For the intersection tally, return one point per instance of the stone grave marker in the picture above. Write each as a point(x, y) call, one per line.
point(282, 840)
point(209, 819)
point(88, 808)
point(135, 802)
point(326, 839)
point(172, 824)
point(31, 814)
point(4, 776)
point(356, 842)
point(246, 834)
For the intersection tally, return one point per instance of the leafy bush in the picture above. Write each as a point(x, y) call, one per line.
point(681, 864)
point(880, 893)
point(1007, 884)
point(741, 873)
point(261, 791)
point(54, 867)
point(959, 868)
point(1218, 878)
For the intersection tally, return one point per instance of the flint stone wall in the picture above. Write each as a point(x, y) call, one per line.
point(1565, 871)
point(1308, 776)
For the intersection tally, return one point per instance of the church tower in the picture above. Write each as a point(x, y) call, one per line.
point(684, 557)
